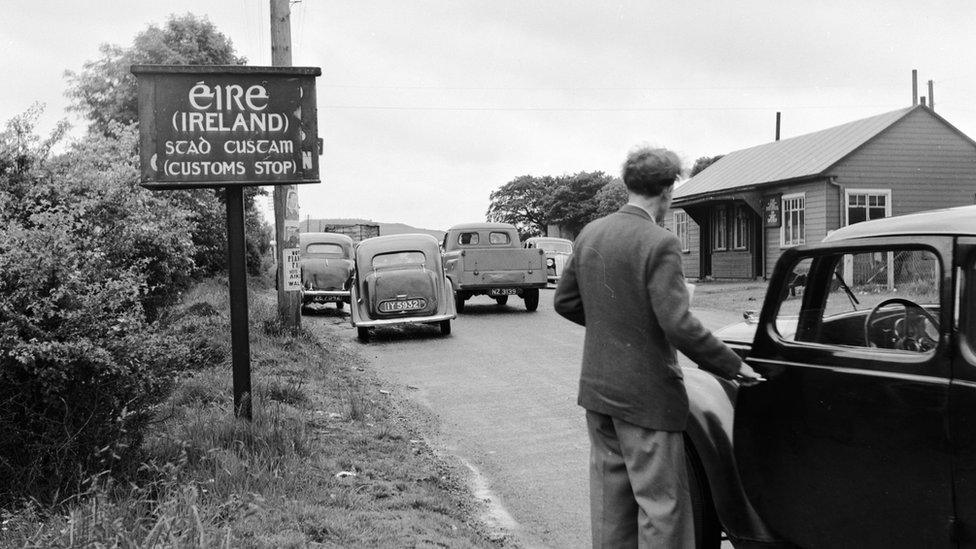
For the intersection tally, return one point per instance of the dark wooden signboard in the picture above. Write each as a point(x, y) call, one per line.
point(228, 126)
point(772, 210)
point(223, 126)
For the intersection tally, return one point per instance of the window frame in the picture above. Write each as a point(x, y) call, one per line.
point(508, 238)
point(741, 233)
point(786, 215)
point(720, 229)
point(679, 222)
point(848, 193)
point(477, 237)
point(864, 358)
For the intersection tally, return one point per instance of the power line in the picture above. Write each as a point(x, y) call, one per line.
point(586, 109)
point(576, 88)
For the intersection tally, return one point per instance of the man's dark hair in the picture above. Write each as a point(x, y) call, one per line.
point(649, 172)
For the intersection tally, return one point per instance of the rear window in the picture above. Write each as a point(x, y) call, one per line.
point(398, 259)
point(319, 248)
point(468, 239)
point(557, 247)
point(499, 238)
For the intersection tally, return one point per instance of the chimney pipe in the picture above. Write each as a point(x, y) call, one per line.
point(914, 87)
point(931, 95)
point(777, 125)
point(923, 100)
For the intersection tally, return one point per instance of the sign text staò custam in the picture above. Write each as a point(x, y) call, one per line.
point(207, 126)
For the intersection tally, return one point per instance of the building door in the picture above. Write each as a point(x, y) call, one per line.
point(705, 248)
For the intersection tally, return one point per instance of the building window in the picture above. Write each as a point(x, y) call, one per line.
point(864, 205)
point(720, 235)
point(793, 231)
point(740, 228)
point(681, 228)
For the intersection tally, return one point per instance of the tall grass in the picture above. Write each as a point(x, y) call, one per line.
point(327, 459)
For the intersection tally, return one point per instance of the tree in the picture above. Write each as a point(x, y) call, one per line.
point(704, 162)
point(525, 202)
point(611, 197)
point(574, 204)
point(105, 90)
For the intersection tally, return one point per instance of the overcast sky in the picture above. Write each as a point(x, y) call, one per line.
point(426, 107)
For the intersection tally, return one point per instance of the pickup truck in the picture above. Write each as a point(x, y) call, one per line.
point(488, 259)
point(864, 433)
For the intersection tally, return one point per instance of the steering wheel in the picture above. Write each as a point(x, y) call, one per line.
point(909, 333)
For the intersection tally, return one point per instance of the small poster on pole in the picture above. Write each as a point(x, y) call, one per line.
point(292, 258)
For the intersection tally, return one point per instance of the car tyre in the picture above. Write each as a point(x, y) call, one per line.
point(501, 300)
point(459, 302)
point(531, 298)
point(708, 529)
point(445, 327)
point(363, 334)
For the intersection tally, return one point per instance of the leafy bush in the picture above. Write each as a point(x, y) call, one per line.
point(85, 254)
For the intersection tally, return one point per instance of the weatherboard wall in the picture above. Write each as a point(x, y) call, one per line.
point(924, 162)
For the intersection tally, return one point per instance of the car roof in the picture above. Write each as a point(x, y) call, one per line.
point(482, 226)
point(332, 238)
point(960, 220)
point(398, 242)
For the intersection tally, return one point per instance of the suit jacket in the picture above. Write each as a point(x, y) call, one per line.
point(625, 284)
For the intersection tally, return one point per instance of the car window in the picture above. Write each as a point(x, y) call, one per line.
point(558, 247)
point(321, 248)
point(398, 259)
point(468, 239)
point(499, 238)
point(882, 299)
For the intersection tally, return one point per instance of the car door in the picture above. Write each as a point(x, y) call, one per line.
point(962, 397)
point(846, 443)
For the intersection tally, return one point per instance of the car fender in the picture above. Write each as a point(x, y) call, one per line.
point(711, 403)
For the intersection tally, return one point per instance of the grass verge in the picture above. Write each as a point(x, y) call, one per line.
point(328, 461)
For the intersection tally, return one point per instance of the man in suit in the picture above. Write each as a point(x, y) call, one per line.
point(626, 285)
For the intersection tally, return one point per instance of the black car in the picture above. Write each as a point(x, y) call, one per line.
point(864, 434)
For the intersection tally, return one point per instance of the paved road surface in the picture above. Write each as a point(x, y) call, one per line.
point(504, 386)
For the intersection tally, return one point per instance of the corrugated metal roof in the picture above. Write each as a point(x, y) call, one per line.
point(797, 157)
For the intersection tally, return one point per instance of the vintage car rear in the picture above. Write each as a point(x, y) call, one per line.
point(557, 250)
point(326, 266)
point(862, 434)
point(399, 279)
point(488, 259)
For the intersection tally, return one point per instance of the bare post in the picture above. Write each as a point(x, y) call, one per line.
point(286, 218)
point(914, 87)
point(237, 275)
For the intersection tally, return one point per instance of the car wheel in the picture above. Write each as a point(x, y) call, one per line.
point(531, 298)
point(340, 305)
point(501, 300)
point(708, 529)
point(363, 334)
point(459, 302)
point(445, 327)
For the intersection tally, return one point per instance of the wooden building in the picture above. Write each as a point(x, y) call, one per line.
point(735, 217)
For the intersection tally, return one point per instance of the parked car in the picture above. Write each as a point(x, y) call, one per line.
point(326, 267)
point(864, 434)
point(558, 251)
point(399, 279)
point(488, 259)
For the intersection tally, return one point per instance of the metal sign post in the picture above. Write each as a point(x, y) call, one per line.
point(231, 127)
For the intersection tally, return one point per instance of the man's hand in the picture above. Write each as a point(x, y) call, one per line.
point(747, 377)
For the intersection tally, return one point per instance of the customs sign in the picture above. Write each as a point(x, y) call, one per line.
point(207, 126)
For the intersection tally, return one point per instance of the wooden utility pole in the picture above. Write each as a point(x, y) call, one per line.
point(285, 196)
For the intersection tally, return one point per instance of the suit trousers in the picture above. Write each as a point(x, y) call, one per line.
point(639, 493)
